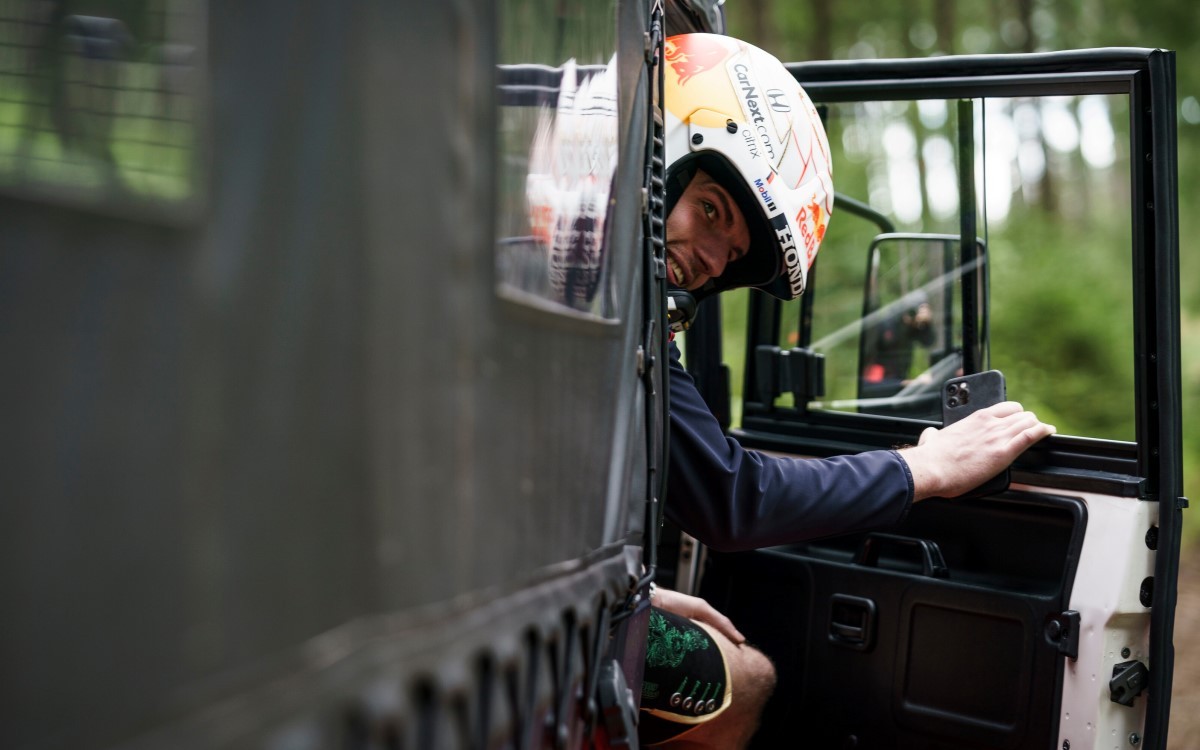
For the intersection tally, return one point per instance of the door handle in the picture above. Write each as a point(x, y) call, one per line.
point(852, 622)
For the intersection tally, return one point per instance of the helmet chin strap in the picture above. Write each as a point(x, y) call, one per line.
point(681, 309)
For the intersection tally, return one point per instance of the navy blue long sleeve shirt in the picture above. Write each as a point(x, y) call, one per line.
point(731, 498)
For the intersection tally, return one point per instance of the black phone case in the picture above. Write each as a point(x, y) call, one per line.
point(966, 395)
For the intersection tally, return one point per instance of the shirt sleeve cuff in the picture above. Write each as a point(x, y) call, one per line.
point(908, 478)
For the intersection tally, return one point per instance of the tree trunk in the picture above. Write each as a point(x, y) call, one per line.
point(943, 20)
point(908, 17)
point(821, 40)
point(762, 31)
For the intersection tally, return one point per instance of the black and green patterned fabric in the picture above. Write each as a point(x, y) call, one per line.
point(685, 681)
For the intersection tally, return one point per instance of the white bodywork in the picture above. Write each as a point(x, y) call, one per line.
point(1112, 618)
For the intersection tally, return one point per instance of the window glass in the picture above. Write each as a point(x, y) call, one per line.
point(101, 107)
point(886, 294)
point(1060, 238)
point(1052, 178)
point(558, 151)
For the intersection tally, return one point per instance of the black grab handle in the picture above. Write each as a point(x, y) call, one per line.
point(932, 563)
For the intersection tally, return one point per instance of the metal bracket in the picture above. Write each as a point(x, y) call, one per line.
point(617, 707)
point(800, 372)
point(1062, 632)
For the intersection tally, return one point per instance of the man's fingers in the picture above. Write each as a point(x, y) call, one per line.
point(1032, 434)
point(1021, 421)
point(1003, 409)
point(705, 613)
point(725, 626)
point(695, 608)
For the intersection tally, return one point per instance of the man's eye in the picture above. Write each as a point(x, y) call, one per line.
point(709, 209)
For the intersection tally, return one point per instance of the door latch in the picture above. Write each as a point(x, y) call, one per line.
point(1128, 681)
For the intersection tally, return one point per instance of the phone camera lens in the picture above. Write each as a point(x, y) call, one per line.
point(952, 389)
point(953, 402)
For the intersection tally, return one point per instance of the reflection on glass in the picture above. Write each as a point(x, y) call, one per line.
point(892, 341)
point(558, 144)
point(99, 104)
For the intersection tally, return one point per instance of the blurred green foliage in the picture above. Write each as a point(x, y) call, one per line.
point(1055, 340)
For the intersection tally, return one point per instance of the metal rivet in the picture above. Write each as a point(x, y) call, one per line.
point(1135, 739)
point(1125, 653)
point(731, 126)
point(697, 139)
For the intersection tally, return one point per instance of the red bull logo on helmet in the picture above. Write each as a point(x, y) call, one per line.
point(692, 54)
point(812, 229)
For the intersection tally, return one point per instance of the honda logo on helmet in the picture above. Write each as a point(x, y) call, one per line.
point(779, 100)
point(792, 257)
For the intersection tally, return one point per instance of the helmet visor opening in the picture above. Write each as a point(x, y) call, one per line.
point(762, 262)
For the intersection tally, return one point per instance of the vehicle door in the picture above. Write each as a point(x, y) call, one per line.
point(1016, 213)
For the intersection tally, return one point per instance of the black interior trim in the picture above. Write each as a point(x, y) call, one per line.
point(883, 652)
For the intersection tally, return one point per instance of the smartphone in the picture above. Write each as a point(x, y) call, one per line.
point(966, 395)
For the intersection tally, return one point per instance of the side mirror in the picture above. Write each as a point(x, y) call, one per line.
point(912, 334)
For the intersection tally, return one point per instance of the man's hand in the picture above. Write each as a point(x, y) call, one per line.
point(695, 608)
point(956, 459)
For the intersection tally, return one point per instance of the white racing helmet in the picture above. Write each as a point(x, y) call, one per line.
point(736, 113)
